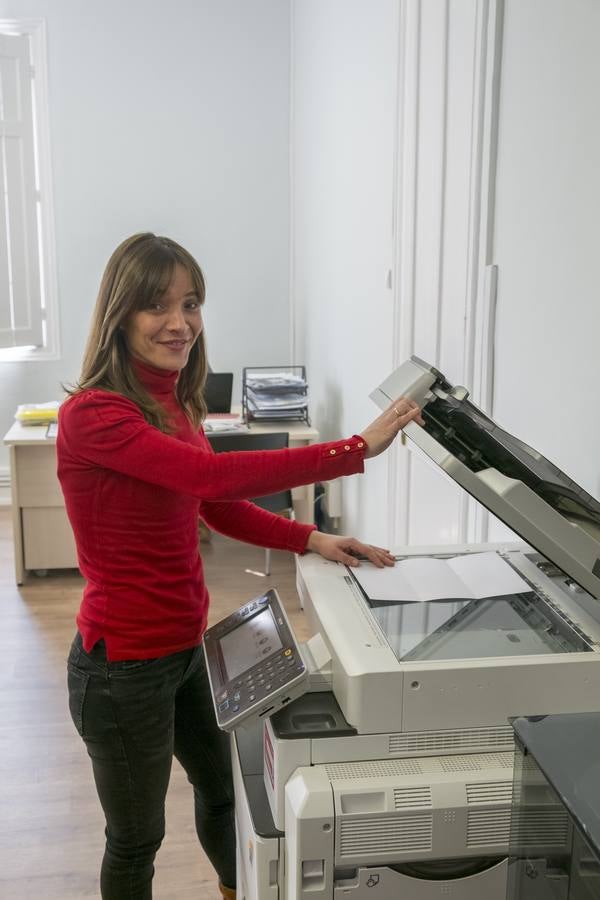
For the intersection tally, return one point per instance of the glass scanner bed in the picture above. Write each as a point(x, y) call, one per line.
point(514, 625)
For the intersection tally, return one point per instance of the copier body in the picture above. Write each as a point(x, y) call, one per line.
point(398, 781)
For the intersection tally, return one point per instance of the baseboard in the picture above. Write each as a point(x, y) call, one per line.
point(5, 498)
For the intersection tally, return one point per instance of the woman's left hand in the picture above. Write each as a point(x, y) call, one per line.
point(348, 550)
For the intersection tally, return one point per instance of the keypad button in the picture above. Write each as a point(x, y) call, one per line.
point(252, 697)
point(235, 708)
point(224, 706)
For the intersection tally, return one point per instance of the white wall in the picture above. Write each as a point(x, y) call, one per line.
point(344, 121)
point(180, 124)
point(171, 118)
point(359, 143)
point(385, 182)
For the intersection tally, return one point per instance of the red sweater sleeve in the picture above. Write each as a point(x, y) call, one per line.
point(108, 430)
point(247, 522)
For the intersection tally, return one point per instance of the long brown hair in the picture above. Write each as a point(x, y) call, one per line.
point(139, 270)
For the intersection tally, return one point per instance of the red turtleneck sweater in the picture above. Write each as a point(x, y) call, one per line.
point(133, 495)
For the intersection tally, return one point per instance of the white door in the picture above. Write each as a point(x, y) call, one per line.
point(546, 233)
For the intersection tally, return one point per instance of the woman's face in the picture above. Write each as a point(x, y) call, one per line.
point(162, 334)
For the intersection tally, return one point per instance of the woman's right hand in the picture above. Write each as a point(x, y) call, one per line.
point(380, 433)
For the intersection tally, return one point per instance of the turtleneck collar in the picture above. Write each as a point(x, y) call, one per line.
point(157, 381)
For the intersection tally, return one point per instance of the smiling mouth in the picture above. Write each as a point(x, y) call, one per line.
point(173, 345)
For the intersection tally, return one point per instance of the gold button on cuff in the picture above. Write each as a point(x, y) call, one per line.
point(347, 447)
point(332, 452)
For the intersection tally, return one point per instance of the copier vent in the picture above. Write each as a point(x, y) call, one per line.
point(373, 769)
point(384, 836)
point(467, 740)
point(490, 825)
point(378, 768)
point(544, 827)
point(483, 761)
point(405, 798)
point(489, 792)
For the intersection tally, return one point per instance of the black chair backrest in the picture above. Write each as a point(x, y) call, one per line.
point(277, 440)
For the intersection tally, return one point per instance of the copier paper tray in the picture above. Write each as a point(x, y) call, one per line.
point(516, 483)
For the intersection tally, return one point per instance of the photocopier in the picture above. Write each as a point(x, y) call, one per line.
point(390, 776)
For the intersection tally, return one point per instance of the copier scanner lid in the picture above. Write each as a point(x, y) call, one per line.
point(516, 483)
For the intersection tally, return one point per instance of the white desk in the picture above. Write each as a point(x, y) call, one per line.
point(41, 531)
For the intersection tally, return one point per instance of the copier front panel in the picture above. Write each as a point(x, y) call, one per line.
point(415, 824)
point(411, 667)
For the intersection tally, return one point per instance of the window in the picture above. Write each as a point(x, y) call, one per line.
point(27, 272)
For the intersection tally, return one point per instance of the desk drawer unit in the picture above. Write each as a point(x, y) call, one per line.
point(48, 541)
point(37, 484)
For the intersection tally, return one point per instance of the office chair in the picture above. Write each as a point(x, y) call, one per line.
point(276, 503)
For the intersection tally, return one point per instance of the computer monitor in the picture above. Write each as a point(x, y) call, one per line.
point(217, 391)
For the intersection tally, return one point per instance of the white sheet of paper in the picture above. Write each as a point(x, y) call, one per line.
point(471, 577)
point(488, 575)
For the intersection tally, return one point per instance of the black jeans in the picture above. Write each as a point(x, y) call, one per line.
point(133, 716)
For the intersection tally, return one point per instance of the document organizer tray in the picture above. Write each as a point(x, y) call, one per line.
point(262, 388)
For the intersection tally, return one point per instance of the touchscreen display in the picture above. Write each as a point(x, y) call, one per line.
point(249, 643)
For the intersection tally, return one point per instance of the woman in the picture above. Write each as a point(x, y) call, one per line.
point(137, 472)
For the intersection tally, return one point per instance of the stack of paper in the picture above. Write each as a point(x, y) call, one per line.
point(224, 422)
point(467, 577)
point(275, 395)
point(37, 413)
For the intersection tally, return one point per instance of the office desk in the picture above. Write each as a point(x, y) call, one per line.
point(41, 530)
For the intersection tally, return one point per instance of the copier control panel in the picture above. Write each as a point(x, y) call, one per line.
point(254, 663)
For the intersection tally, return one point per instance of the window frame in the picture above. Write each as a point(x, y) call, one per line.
point(35, 29)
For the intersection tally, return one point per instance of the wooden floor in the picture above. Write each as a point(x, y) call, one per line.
point(51, 824)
